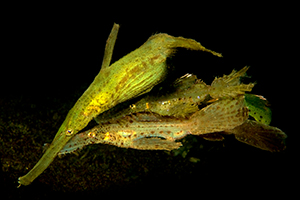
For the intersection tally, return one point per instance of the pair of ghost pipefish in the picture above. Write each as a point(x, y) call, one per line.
point(155, 122)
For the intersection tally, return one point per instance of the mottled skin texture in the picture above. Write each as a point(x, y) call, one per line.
point(134, 74)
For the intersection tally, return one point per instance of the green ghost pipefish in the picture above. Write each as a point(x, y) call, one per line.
point(134, 74)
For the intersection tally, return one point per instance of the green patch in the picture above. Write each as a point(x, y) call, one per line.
point(258, 108)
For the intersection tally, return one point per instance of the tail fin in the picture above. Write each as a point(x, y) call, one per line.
point(219, 116)
point(260, 135)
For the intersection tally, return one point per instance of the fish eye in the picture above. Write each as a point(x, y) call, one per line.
point(69, 132)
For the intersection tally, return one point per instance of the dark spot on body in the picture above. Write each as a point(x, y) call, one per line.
point(134, 70)
point(152, 60)
point(144, 64)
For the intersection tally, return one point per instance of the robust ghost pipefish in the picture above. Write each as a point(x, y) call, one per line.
point(134, 74)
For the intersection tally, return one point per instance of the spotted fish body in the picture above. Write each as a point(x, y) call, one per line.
point(154, 132)
point(141, 131)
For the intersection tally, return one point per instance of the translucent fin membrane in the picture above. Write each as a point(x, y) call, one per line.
point(260, 135)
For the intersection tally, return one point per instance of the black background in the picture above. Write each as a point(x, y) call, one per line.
point(52, 54)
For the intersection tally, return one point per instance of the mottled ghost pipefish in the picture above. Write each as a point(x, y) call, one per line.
point(131, 76)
